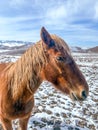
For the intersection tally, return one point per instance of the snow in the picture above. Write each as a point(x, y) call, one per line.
point(56, 111)
point(12, 44)
point(8, 58)
point(74, 49)
point(2, 50)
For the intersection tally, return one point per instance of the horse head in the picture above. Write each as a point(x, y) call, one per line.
point(61, 69)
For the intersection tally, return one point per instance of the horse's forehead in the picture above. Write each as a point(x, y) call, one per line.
point(64, 49)
point(61, 44)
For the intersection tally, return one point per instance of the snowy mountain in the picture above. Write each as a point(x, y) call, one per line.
point(94, 49)
point(14, 47)
point(19, 47)
point(13, 43)
point(77, 49)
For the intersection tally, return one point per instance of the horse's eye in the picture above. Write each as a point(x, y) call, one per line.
point(59, 58)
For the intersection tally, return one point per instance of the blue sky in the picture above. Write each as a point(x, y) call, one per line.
point(76, 21)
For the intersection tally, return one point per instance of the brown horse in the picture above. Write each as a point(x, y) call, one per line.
point(49, 59)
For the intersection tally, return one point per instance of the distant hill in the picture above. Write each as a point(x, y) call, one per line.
point(13, 43)
point(94, 49)
point(81, 50)
point(77, 49)
point(13, 47)
point(19, 47)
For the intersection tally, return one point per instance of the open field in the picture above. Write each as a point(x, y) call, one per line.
point(55, 111)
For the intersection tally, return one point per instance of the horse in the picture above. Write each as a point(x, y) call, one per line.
point(49, 59)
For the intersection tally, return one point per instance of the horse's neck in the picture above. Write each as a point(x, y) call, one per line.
point(24, 75)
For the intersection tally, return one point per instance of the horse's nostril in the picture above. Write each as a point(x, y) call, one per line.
point(84, 95)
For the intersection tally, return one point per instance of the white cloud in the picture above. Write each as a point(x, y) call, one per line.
point(57, 12)
point(71, 10)
point(96, 11)
point(17, 3)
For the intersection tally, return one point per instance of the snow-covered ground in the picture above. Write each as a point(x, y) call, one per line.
point(55, 111)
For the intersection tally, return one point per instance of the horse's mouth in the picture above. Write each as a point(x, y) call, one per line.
point(74, 97)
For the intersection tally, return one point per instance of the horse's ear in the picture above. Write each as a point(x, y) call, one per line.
point(46, 38)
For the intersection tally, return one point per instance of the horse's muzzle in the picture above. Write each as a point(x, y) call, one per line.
point(82, 97)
